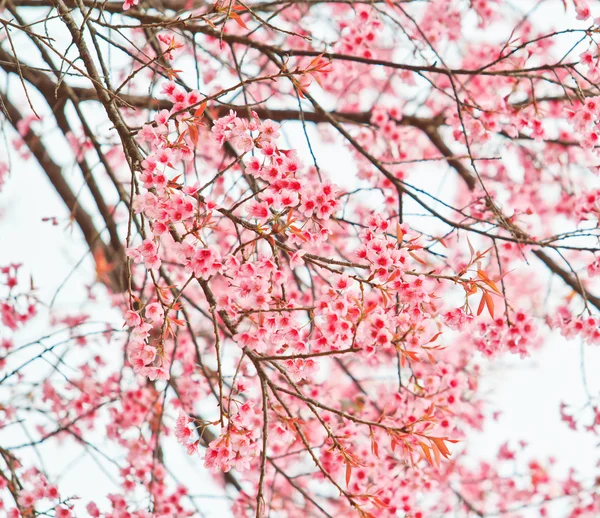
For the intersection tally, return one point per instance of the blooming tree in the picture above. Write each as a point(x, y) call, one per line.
point(321, 221)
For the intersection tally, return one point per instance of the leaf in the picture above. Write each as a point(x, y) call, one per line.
point(393, 276)
point(199, 113)
point(172, 73)
point(385, 296)
point(377, 502)
point(436, 453)
point(103, 267)
point(429, 411)
point(472, 250)
point(298, 233)
point(482, 254)
point(418, 259)
point(238, 20)
point(481, 304)
point(348, 473)
point(470, 288)
point(316, 78)
point(484, 277)
point(441, 446)
point(314, 62)
point(177, 321)
point(489, 303)
point(193, 133)
point(411, 354)
point(374, 447)
point(426, 452)
point(399, 233)
point(435, 337)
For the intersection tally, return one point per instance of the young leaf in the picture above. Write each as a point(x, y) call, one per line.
point(489, 303)
point(199, 113)
point(481, 304)
point(426, 452)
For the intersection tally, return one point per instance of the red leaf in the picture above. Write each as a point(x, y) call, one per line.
point(484, 277)
point(193, 131)
point(481, 304)
point(399, 233)
point(200, 111)
point(103, 267)
point(238, 20)
point(419, 260)
point(441, 446)
point(435, 337)
point(470, 249)
point(426, 452)
point(489, 303)
point(375, 448)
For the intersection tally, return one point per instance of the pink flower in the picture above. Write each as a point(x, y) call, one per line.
point(258, 210)
point(62, 512)
point(183, 432)
point(582, 9)
point(93, 510)
point(27, 499)
point(205, 263)
point(133, 318)
point(192, 447)
point(154, 312)
point(148, 354)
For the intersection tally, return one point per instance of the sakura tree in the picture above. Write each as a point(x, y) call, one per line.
point(311, 227)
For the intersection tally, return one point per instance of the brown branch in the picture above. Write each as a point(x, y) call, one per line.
point(54, 173)
point(568, 278)
point(55, 97)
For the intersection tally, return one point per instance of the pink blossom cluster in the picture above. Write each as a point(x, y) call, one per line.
point(148, 359)
point(585, 120)
point(570, 326)
point(15, 308)
point(496, 336)
point(245, 134)
point(360, 34)
point(323, 343)
point(237, 446)
point(37, 495)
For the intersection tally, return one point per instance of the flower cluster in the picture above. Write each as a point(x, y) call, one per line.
point(15, 308)
point(237, 446)
point(585, 120)
point(570, 326)
point(146, 352)
point(36, 495)
point(495, 337)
